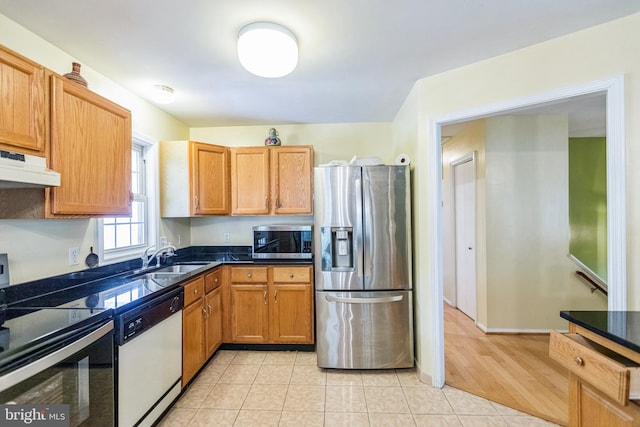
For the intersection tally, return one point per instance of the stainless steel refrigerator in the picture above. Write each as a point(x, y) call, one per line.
point(362, 235)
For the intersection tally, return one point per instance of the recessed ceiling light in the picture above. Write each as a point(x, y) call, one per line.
point(162, 94)
point(267, 49)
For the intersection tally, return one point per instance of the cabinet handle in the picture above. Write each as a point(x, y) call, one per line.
point(278, 205)
point(209, 308)
point(264, 297)
point(249, 275)
point(275, 296)
point(266, 202)
point(195, 291)
point(204, 312)
point(215, 280)
point(291, 275)
point(197, 202)
point(578, 361)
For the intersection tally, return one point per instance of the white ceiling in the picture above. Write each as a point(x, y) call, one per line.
point(358, 58)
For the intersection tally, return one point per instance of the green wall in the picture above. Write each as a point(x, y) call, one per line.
point(588, 203)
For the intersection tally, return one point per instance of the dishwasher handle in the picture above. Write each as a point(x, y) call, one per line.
point(358, 300)
point(15, 377)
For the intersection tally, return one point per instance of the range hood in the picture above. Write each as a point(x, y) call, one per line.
point(19, 170)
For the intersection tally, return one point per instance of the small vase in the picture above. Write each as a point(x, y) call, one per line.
point(75, 76)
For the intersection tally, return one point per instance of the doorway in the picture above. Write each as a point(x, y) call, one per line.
point(613, 88)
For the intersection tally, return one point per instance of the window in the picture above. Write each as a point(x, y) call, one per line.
point(123, 237)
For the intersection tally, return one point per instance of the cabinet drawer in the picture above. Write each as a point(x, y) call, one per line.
point(212, 280)
point(193, 290)
point(612, 374)
point(292, 274)
point(248, 274)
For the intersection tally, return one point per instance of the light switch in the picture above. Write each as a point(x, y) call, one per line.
point(4, 270)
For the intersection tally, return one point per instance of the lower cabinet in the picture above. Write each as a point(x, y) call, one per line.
point(271, 305)
point(247, 305)
point(589, 407)
point(604, 377)
point(201, 323)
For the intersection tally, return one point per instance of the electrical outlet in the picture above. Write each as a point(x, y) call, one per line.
point(227, 237)
point(74, 256)
point(74, 315)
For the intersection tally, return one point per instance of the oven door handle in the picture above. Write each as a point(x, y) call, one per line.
point(9, 380)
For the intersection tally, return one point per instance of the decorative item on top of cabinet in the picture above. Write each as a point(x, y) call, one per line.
point(23, 104)
point(75, 76)
point(91, 148)
point(200, 167)
point(272, 180)
point(273, 138)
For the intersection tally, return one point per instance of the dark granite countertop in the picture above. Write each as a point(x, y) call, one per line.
point(58, 290)
point(622, 327)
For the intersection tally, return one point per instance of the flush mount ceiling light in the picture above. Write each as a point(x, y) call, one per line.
point(162, 94)
point(267, 49)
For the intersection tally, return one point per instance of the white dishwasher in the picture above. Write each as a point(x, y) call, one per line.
point(149, 359)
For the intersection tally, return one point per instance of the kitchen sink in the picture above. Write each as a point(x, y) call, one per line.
point(160, 275)
point(178, 268)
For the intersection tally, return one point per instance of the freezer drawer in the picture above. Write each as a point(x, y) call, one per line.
point(364, 330)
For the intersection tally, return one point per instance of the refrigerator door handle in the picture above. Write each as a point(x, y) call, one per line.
point(379, 300)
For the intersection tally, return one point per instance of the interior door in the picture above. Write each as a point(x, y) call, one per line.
point(465, 231)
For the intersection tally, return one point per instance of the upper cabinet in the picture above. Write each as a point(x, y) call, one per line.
point(272, 180)
point(22, 104)
point(250, 181)
point(194, 179)
point(91, 148)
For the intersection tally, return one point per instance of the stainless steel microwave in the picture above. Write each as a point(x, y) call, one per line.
point(282, 242)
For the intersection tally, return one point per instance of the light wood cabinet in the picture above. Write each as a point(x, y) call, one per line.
point(249, 305)
point(603, 378)
point(201, 168)
point(272, 180)
point(292, 180)
point(23, 104)
point(91, 148)
point(193, 344)
point(291, 315)
point(201, 322)
point(271, 304)
point(213, 306)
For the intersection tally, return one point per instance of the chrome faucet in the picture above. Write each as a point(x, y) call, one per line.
point(169, 250)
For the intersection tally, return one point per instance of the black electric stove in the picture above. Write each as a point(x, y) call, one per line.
point(29, 325)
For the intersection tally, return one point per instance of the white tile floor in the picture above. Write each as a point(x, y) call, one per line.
point(252, 388)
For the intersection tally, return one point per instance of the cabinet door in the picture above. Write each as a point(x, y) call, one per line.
point(91, 148)
point(589, 407)
point(249, 313)
point(291, 315)
point(292, 177)
point(209, 179)
point(22, 104)
point(193, 349)
point(250, 181)
point(213, 322)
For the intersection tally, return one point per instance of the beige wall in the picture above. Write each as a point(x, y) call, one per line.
point(599, 52)
point(529, 276)
point(39, 248)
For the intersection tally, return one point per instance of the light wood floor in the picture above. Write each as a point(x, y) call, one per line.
point(513, 370)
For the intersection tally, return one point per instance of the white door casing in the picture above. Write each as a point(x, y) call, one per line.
point(616, 193)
